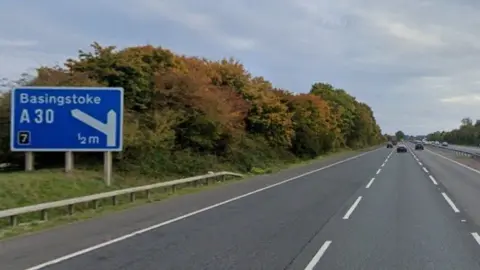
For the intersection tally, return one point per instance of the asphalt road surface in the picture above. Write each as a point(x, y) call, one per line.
point(380, 210)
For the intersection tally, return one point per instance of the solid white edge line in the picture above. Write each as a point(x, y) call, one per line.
point(433, 180)
point(476, 237)
point(370, 183)
point(425, 169)
point(156, 226)
point(449, 201)
point(379, 170)
point(456, 162)
point(311, 265)
point(352, 208)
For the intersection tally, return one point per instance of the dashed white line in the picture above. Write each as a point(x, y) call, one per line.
point(370, 183)
point(449, 201)
point(311, 265)
point(419, 163)
point(425, 169)
point(354, 205)
point(379, 170)
point(476, 237)
point(383, 164)
point(433, 180)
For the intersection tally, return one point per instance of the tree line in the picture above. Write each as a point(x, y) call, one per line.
point(467, 134)
point(185, 114)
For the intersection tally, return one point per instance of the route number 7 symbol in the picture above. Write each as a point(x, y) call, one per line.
point(23, 137)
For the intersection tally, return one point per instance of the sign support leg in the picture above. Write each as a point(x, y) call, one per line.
point(107, 167)
point(69, 161)
point(29, 161)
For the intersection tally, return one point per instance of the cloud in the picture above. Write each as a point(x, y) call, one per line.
point(17, 43)
point(415, 62)
point(463, 100)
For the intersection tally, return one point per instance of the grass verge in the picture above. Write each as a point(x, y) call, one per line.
point(27, 188)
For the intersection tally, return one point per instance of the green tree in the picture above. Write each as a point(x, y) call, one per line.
point(400, 135)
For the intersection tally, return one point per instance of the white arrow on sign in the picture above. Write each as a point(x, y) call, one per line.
point(109, 128)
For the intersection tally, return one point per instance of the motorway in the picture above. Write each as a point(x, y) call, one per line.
point(378, 210)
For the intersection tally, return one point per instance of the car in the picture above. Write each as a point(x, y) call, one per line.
point(418, 146)
point(444, 144)
point(401, 148)
point(389, 145)
point(394, 142)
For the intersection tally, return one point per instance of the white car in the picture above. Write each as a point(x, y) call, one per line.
point(444, 144)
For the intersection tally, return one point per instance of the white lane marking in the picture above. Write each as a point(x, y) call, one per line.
point(379, 170)
point(433, 180)
point(383, 164)
point(425, 169)
point(456, 162)
point(370, 183)
point(419, 163)
point(354, 205)
point(476, 237)
point(156, 226)
point(449, 201)
point(311, 265)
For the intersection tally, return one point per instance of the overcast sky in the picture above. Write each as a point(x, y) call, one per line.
point(415, 62)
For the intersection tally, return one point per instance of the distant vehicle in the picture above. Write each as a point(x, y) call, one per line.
point(394, 142)
point(444, 144)
point(401, 148)
point(418, 146)
point(389, 145)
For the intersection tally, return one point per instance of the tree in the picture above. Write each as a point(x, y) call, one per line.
point(467, 134)
point(400, 135)
point(467, 121)
point(185, 115)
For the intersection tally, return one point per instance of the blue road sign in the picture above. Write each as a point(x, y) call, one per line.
point(61, 119)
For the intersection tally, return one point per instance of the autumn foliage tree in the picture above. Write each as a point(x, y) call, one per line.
point(185, 115)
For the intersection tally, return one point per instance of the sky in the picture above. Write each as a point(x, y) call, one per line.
point(415, 62)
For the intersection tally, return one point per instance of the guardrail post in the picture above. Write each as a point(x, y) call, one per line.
point(44, 214)
point(13, 220)
point(132, 197)
point(70, 209)
point(148, 194)
point(174, 188)
point(114, 200)
point(95, 204)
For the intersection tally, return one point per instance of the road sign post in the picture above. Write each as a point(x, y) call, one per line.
point(67, 119)
point(69, 161)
